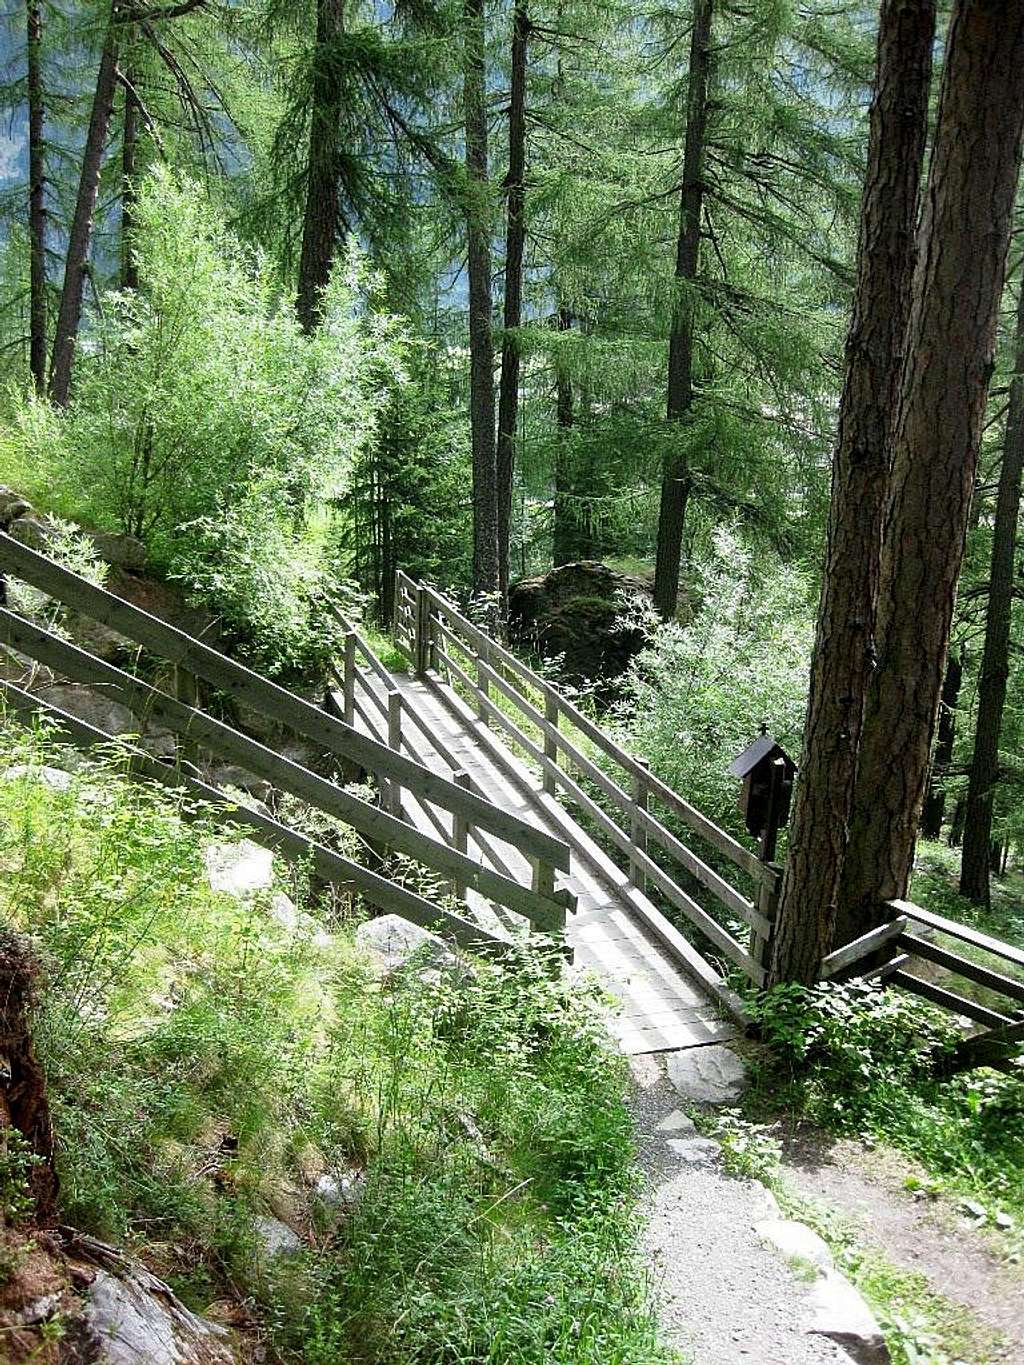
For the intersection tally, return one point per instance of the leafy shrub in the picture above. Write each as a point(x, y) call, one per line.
point(205, 1064)
point(697, 695)
point(205, 422)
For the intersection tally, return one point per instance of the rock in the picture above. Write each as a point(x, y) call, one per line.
point(56, 779)
point(284, 911)
point(767, 1204)
point(123, 551)
point(708, 1075)
point(32, 530)
point(676, 1122)
point(394, 941)
point(795, 1241)
point(338, 1195)
point(230, 775)
point(695, 1151)
point(134, 1318)
point(12, 506)
point(577, 611)
point(95, 708)
point(840, 1313)
point(276, 1238)
point(645, 1070)
point(239, 868)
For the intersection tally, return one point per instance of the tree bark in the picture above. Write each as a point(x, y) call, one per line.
point(129, 171)
point(995, 662)
point(322, 214)
point(843, 657)
point(564, 537)
point(675, 483)
point(36, 196)
point(935, 800)
point(965, 232)
point(481, 339)
point(515, 242)
point(76, 262)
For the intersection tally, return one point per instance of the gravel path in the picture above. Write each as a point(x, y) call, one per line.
point(726, 1298)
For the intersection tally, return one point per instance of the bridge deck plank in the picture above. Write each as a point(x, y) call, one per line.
point(662, 1007)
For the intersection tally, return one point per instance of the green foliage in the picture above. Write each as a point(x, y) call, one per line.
point(206, 1065)
point(697, 695)
point(206, 423)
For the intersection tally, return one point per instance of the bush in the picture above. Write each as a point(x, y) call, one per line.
point(206, 1065)
point(698, 693)
point(206, 423)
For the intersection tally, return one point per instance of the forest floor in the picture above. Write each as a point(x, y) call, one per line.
point(882, 1194)
point(944, 1290)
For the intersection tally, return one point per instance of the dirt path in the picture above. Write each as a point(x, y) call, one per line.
point(921, 1234)
point(725, 1297)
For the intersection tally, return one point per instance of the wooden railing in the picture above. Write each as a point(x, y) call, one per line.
point(196, 728)
point(540, 722)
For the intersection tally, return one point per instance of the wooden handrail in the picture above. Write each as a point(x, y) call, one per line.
point(331, 866)
point(498, 671)
point(149, 703)
point(266, 697)
point(964, 932)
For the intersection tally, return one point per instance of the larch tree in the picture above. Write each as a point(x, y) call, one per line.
point(995, 662)
point(36, 194)
point(515, 244)
point(481, 336)
point(958, 279)
point(844, 651)
point(675, 483)
point(322, 213)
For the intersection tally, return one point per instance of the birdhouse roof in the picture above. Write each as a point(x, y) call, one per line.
point(764, 747)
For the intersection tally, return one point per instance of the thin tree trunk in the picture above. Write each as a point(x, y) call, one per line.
point(515, 242)
point(36, 198)
point(935, 800)
point(481, 339)
point(995, 662)
point(844, 643)
point(80, 237)
point(323, 203)
point(956, 825)
point(965, 232)
point(564, 538)
point(675, 483)
point(129, 192)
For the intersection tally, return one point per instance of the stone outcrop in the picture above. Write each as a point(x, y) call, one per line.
point(578, 613)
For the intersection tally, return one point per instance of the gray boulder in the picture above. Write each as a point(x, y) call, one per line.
point(795, 1241)
point(708, 1075)
point(239, 868)
point(12, 506)
point(840, 1313)
point(120, 550)
point(392, 941)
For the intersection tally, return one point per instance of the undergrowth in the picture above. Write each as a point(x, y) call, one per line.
point(209, 1067)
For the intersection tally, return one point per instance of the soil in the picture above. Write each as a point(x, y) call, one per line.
point(928, 1235)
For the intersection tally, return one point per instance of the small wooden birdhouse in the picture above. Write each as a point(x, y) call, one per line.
point(767, 772)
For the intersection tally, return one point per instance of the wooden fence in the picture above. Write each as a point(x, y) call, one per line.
point(542, 723)
point(539, 904)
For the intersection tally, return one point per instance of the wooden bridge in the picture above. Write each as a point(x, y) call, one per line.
point(526, 815)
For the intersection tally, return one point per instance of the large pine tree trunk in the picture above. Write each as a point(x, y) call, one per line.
point(76, 262)
point(481, 339)
point(995, 663)
point(564, 537)
point(515, 242)
point(958, 280)
point(129, 172)
point(844, 644)
point(675, 482)
point(935, 799)
point(323, 175)
point(36, 197)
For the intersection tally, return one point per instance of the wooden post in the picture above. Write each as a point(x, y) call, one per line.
point(482, 684)
point(186, 690)
point(551, 714)
point(460, 828)
point(349, 679)
point(395, 742)
point(638, 833)
point(543, 878)
point(422, 631)
point(768, 905)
